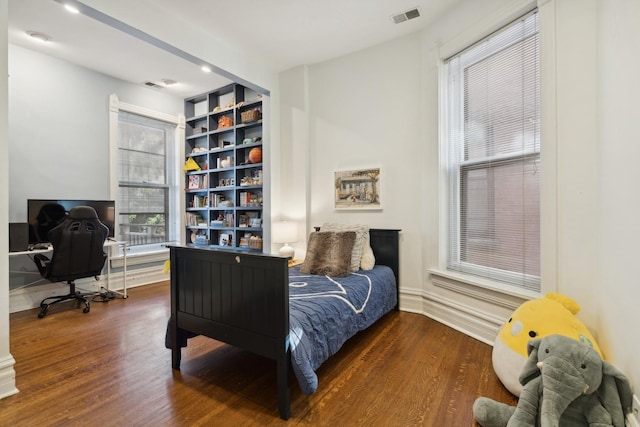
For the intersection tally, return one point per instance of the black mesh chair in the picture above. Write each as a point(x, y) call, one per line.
point(78, 251)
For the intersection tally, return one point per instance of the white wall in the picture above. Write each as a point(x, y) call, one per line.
point(379, 107)
point(617, 293)
point(290, 160)
point(361, 118)
point(353, 115)
point(59, 128)
point(577, 187)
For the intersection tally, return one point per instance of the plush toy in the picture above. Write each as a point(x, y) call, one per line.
point(538, 318)
point(565, 383)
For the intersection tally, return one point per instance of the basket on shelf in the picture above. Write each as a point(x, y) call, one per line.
point(251, 115)
point(255, 242)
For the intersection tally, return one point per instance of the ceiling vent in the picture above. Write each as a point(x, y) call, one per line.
point(405, 16)
point(153, 85)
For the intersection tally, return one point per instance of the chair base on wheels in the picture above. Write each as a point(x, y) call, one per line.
point(73, 295)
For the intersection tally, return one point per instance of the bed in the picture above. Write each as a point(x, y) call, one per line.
point(256, 302)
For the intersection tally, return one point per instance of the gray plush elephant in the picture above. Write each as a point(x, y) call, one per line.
point(565, 383)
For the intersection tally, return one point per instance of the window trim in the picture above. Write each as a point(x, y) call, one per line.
point(548, 109)
point(115, 107)
point(508, 36)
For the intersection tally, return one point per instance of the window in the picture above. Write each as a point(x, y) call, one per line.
point(492, 111)
point(146, 147)
point(144, 194)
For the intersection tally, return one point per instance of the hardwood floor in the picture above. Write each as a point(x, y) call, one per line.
point(109, 367)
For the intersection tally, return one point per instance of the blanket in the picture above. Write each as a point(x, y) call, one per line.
point(324, 312)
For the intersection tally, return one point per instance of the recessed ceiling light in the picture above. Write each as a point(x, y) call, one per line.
point(71, 8)
point(168, 82)
point(206, 68)
point(42, 37)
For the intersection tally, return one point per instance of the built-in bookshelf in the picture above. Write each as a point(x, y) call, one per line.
point(224, 169)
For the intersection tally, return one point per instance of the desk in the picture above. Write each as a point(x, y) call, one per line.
point(109, 245)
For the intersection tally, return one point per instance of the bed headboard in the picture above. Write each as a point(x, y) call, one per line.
point(386, 248)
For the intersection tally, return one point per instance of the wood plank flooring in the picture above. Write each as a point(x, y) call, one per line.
point(109, 367)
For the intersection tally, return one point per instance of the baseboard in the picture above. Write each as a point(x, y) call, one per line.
point(470, 321)
point(7, 377)
point(30, 297)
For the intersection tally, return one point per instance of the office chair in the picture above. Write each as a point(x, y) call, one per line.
point(78, 252)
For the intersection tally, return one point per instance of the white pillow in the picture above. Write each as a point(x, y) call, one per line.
point(362, 237)
point(368, 260)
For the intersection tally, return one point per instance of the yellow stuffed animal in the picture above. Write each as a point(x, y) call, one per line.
point(538, 318)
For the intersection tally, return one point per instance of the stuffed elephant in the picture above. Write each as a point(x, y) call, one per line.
point(565, 383)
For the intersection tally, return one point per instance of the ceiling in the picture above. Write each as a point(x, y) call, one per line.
point(283, 33)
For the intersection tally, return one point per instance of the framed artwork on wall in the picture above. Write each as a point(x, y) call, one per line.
point(358, 189)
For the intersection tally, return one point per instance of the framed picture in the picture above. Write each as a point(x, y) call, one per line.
point(358, 189)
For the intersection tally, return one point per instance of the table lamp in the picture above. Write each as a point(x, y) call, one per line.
point(285, 232)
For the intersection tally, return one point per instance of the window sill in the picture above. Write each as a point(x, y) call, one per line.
point(482, 289)
point(155, 256)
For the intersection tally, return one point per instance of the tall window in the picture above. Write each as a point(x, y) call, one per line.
point(146, 167)
point(493, 156)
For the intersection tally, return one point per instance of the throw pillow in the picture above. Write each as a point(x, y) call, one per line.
point(329, 253)
point(362, 232)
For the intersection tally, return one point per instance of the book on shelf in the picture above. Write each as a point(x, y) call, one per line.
point(227, 220)
point(245, 198)
point(198, 182)
point(200, 201)
point(216, 200)
point(194, 182)
point(193, 219)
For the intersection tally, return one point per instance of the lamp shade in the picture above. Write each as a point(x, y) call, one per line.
point(284, 232)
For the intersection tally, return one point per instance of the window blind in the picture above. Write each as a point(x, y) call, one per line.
point(493, 156)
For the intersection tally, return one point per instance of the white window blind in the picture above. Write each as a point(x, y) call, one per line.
point(493, 156)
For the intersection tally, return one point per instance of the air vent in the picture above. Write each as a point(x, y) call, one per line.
point(152, 84)
point(405, 16)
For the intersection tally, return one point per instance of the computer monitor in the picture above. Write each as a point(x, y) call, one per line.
point(45, 214)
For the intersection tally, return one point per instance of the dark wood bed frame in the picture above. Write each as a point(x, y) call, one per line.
point(242, 299)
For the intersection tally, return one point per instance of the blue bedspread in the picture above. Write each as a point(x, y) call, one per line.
point(324, 312)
